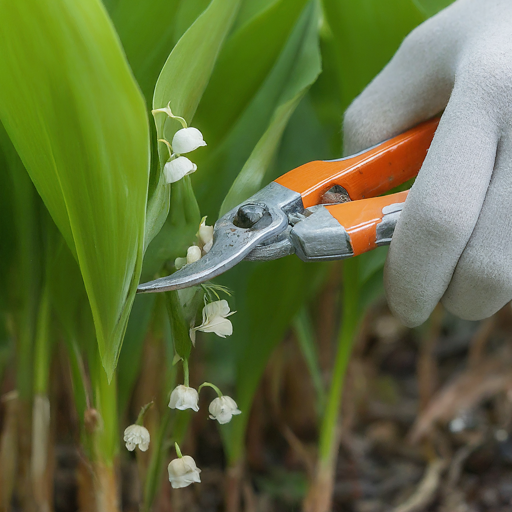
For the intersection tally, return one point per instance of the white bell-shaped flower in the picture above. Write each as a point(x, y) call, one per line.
point(186, 140)
point(205, 235)
point(136, 435)
point(183, 398)
point(215, 319)
point(223, 409)
point(176, 169)
point(193, 254)
point(183, 472)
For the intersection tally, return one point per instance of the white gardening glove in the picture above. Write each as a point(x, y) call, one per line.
point(453, 241)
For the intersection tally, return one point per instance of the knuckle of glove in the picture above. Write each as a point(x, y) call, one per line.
point(484, 73)
point(481, 285)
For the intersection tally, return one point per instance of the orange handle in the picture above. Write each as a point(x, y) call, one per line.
point(362, 218)
point(367, 174)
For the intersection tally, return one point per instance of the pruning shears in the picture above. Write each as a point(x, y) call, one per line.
point(320, 211)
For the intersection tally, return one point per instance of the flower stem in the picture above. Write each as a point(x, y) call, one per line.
point(350, 320)
point(213, 386)
point(140, 417)
point(186, 375)
point(178, 451)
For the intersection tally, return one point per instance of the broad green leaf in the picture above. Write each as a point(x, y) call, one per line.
point(76, 117)
point(230, 157)
point(187, 71)
point(244, 63)
point(307, 66)
point(251, 8)
point(181, 83)
point(146, 30)
point(366, 35)
point(186, 14)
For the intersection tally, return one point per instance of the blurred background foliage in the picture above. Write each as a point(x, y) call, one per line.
point(84, 214)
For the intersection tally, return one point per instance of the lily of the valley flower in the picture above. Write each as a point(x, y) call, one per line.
point(136, 435)
point(222, 409)
point(187, 140)
point(193, 254)
point(184, 397)
point(205, 236)
point(183, 472)
point(178, 168)
point(215, 319)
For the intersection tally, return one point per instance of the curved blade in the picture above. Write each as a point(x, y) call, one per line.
point(230, 245)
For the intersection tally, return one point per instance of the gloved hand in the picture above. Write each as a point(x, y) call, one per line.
point(453, 241)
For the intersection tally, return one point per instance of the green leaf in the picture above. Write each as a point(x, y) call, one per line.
point(146, 30)
point(246, 60)
point(366, 35)
point(179, 327)
point(269, 296)
point(76, 117)
point(307, 67)
point(181, 83)
point(228, 159)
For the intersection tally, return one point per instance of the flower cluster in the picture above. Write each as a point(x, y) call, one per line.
point(204, 242)
point(184, 141)
point(222, 408)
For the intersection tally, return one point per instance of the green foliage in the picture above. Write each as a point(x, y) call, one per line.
point(304, 71)
point(181, 84)
point(364, 36)
point(267, 82)
point(74, 113)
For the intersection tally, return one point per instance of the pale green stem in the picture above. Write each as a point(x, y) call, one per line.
point(169, 148)
point(178, 451)
point(42, 349)
point(140, 417)
point(350, 320)
point(105, 398)
point(186, 375)
point(210, 385)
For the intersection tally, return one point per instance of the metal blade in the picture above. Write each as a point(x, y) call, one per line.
point(230, 245)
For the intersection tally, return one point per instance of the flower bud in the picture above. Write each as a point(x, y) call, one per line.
point(205, 235)
point(136, 435)
point(178, 168)
point(183, 472)
point(183, 398)
point(193, 254)
point(223, 409)
point(186, 140)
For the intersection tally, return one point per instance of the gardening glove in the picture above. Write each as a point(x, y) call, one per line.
point(453, 242)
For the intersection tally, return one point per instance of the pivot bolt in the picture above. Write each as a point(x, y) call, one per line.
point(248, 215)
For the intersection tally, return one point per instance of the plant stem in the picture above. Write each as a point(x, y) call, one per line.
point(319, 496)
point(178, 451)
point(210, 385)
point(140, 417)
point(350, 320)
point(186, 375)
